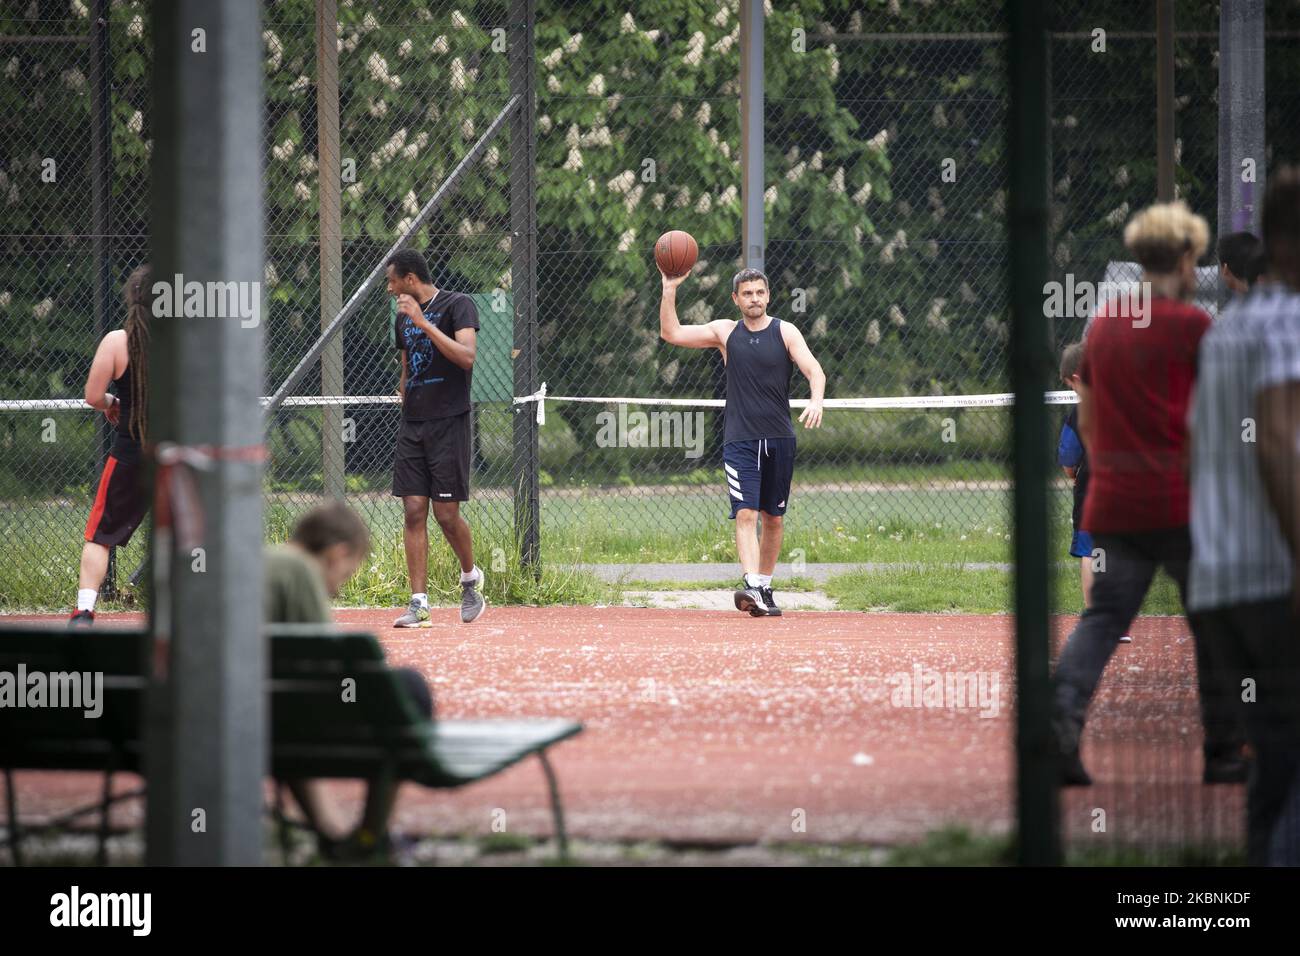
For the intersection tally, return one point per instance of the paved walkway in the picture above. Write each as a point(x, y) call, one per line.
point(819, 573)
point(722, 600)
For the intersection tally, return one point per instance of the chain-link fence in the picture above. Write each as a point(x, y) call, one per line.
point(885, 221)
point(885, 225)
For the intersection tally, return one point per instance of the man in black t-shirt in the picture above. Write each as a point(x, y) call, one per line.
point(436, 334)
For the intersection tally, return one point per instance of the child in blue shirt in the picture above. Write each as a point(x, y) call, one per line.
point(1073, 459)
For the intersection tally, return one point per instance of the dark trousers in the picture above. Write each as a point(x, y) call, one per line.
point(1259, 647)
point(1117, 594)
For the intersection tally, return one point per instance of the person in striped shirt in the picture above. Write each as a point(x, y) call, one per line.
point(1245, 520)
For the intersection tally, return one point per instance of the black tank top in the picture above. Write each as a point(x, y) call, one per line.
point(758, 384)
point(125, 448)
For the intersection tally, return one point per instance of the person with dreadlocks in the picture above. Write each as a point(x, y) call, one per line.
point(121, 501)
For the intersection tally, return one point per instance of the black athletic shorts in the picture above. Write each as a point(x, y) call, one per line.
point(759, 472)
point(120, 503)
point(432, 458)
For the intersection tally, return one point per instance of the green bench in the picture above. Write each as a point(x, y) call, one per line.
point(377, 734)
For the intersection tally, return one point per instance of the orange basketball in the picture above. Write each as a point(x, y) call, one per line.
point(676, 252)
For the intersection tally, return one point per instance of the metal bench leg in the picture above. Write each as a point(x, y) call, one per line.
point(15, 834)
point(380, 800)
point(101, 854)
point(557, 809)
point(282, 823)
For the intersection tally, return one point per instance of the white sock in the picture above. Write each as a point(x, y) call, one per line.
point(752, 580)
point(470, 577)
point(86, 599)
point(423, 598)
point(765, 580)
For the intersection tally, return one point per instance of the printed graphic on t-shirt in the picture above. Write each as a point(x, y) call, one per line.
point(419, 358)
point(436, 387)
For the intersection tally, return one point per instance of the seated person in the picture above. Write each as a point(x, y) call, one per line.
point(326, 548)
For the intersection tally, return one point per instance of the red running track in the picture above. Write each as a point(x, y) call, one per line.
point(717, 728)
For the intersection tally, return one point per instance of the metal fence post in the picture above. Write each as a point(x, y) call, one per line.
point(1030, 356)
point(333, 460)
point(101, 202)
point(753, 255)
point(206, 736)
point(1241, 118)
point(1165, 100)
point(526, 463)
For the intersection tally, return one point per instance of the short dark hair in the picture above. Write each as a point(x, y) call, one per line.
point(1281, 217)
point(1241, 253)
point(330, 524)
point(748, 275)
point(1071, 359)
point(408, 262)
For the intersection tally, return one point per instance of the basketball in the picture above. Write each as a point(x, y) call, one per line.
point(676, 252)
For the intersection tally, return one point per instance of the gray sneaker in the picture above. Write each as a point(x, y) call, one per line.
point(472, 602)
point(415, 615)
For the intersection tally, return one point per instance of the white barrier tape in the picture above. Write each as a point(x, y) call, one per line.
point(299, 401)
point(541, 398)
point(995, 400)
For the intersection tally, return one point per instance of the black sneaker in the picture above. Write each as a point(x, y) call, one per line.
point(769, 602)
point(1230, 769)
point(749, 599)
point(356, 848)
point(81, 619)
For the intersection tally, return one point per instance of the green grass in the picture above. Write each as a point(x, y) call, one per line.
point(936, 533)
point(44, 547)
point(953, 846)
point(957, 846)
point(382, 580)
point(687, 525)
point(504, 843)
point(953, 588)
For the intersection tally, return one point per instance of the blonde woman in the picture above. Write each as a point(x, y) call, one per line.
point(1135, 384)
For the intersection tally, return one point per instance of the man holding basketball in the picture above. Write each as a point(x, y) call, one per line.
point(760, 353)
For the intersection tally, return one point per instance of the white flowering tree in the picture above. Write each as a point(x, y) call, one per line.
point(639, 133)
point(895, 273)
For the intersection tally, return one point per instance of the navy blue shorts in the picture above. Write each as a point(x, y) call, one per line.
point(758, 473)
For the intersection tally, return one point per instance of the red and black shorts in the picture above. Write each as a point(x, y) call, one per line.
point(120, 504)
point(432, 458)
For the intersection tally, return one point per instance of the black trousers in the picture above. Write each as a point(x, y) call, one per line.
point(1259, 647)
point(1117, 595)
